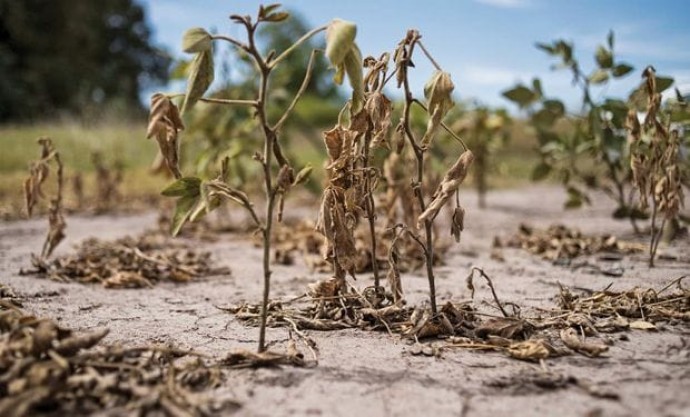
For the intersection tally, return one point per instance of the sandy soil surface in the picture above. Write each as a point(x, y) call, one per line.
point(373, 374)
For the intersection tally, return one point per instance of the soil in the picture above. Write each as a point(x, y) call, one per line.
point(373, 374)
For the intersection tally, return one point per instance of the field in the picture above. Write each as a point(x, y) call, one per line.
point(373, 373)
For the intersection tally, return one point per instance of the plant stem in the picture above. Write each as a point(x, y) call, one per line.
point(419, 188)
point(295, 45)
point(370, 206)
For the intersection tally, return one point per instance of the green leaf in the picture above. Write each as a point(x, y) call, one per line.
point(555, 106)
point(266, 10)
point(599, 76)
point(200, 78)
point(576, 198)
point(276, 17)
point(180, 69)
point(536, 87)
point(340, 38)
point(610, 39)
point(183, 210)
point(521, 95)
point(663, 84)
point(621, 70)
point(303, 175)
point(604, 58)
point(546, 48)
point(186, 186)
point(540, 171)
point(196, 40)
point(544, 118)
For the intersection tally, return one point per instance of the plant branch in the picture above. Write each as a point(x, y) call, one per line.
point(224, 101)
point(233, 41)
point(295, 45)
point(300, 92)
point(428, 55)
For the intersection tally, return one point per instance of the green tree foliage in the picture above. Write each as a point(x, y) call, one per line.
point(64, 56)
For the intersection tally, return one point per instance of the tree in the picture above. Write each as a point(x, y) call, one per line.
point(62, 56)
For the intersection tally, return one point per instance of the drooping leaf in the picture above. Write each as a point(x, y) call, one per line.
point(276, 17)
point(196, 40)
point(303, 175)
point(438, 92)
point(183, 210)
point(340, 37)
point(200, 78)
point(355, 74)
point(186, 186)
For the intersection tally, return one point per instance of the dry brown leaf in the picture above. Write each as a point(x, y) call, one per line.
point(571, 339)
point(449, 185)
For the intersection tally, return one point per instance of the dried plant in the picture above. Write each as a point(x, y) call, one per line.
point(39, 172)
point(655, 162)
point(352, 180)
point(109, 177)
point(197, 196)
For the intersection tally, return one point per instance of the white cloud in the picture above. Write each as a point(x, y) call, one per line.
point(506, 4)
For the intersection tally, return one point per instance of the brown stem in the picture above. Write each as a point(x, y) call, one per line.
point(370, 206)
point(653, 233)
point(419, 188)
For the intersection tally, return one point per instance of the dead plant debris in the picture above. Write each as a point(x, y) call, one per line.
point(559, 242)
point(578, 324)
point(129, 262)
point(47, 369)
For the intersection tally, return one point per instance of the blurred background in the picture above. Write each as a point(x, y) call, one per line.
point(82, 72)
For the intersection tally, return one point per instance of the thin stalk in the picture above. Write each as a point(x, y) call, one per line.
point(653, 233)
point(295, 45)
point(300, 92)
point(370, 206)
point(419, 190)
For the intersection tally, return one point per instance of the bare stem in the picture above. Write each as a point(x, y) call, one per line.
point(296, 45)
point(428, 55)
point(224, 101)
point(370, 207)
point(419, 188)
point(233, 41)
point(300, 92)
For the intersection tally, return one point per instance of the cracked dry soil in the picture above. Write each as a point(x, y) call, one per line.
point(373, 374)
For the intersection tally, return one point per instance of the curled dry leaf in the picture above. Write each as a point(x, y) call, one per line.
point(378, 108)
point(571, 339)
point(449, 185)
point(438, 91)
point(530, 350)
point(165, 124)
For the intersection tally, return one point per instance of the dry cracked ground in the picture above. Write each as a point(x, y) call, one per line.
point(374, 374)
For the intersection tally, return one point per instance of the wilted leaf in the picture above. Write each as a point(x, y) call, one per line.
point(507, 328)
point(340, 38)
point(184, 207)
point(186, 186)
point(355, 74)
point(449, 185)
point(200, 78)
point(196, 40)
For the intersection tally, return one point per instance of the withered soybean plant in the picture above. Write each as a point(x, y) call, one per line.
point(349, 193)
point(655, 161)
point(33, 190)
point(197, 196)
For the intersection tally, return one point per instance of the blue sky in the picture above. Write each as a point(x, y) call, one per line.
point(486, 45)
